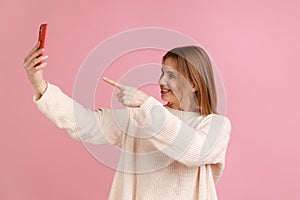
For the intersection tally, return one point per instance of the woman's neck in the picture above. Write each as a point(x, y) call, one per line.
point(184, 106)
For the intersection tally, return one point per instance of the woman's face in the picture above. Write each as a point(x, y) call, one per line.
point(175, 89)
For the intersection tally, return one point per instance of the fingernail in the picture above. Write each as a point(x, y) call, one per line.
point(104, 78)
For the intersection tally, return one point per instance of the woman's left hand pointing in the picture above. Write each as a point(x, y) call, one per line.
point(128, 96)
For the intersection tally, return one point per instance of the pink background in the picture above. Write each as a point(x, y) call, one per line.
point(255, 45)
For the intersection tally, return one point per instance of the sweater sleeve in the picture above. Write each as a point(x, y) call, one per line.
point(90, 126)
point(206, 143)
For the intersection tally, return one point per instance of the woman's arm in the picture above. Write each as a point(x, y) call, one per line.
point(91, 126)
point(81, 123)
point(204, 144)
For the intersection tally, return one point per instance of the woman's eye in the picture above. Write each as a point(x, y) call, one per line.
point(171, 76)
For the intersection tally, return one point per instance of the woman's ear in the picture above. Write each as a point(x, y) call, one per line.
point(194, 87)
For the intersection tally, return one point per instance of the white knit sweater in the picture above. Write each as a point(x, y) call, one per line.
point(166, 153)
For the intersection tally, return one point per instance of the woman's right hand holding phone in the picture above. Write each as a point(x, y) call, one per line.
point(34, 67)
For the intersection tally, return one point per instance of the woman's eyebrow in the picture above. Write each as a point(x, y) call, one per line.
point(170, 72)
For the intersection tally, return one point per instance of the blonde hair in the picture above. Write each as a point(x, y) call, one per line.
point(195, 65)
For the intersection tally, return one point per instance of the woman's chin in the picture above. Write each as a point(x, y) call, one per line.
point(168, 99)
point(164, 98)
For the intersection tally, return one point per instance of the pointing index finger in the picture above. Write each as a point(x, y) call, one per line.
point(113, 83)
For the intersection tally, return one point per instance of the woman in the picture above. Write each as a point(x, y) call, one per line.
point(172, 151)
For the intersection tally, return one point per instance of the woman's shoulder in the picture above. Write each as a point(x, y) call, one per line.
point(216, 120)
point(217, 116)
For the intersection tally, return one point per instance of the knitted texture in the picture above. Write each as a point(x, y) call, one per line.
point(166, 153)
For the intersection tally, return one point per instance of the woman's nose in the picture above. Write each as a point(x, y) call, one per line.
point(162, 81)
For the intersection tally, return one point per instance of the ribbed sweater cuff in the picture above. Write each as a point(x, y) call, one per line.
point(41, 103)
point(51, 95)
point(56, 106)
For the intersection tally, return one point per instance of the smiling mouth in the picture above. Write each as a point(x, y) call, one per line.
point(165, 91)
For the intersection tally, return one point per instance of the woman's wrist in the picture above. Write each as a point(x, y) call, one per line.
point(40, 89)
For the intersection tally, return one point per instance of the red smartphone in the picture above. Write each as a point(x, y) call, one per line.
point(42, 38)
